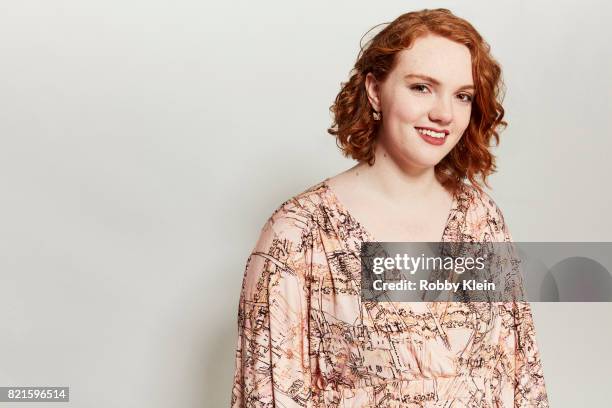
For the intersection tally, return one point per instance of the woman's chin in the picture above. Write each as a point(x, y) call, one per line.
point(421, 165)
point(426, 162)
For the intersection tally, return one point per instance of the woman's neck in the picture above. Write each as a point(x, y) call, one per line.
point(396, 182)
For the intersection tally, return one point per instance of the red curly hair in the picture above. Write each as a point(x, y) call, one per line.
point(355, 128)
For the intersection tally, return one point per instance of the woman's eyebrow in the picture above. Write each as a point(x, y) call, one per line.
point(435, 81)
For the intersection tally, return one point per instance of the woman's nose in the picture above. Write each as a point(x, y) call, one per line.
point(441, 111)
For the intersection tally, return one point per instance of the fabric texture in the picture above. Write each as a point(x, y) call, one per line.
point(306, 339)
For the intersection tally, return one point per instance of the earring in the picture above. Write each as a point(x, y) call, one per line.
point(376, 115)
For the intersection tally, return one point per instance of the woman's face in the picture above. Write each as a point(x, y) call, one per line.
point(431, 87)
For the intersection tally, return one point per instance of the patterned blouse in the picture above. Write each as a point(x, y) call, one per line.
point(306, 338)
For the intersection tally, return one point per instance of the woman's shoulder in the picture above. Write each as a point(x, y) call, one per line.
point(483, 215)
point(479, 199)
point(297, 215)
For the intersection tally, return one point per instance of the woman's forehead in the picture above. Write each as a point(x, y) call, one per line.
point(437, 57)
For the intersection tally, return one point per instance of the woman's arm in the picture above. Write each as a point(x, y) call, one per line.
point(272, 358)
point(520, 365)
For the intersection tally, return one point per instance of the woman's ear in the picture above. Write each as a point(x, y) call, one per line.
point(373, 90)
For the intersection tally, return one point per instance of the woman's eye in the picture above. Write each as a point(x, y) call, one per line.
point(419, 88)
point(465, 97)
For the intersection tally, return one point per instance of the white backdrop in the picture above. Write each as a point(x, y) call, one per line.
point(143, 144)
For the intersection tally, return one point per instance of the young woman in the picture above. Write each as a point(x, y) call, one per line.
point(417, 114)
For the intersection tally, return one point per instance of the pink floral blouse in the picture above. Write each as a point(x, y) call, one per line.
point(306, 339)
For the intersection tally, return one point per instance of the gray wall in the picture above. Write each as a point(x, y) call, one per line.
point(143, 144)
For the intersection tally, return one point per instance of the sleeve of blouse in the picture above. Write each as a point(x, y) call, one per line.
point(527, 374)
point(272, 367)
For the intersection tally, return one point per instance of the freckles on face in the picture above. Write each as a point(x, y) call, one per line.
point(431, 87)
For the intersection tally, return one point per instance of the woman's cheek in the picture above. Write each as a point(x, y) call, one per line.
point(407, 111)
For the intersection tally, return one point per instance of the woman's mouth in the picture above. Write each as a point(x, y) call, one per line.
point(431, 136)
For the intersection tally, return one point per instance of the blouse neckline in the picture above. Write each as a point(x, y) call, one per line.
point(331, 195)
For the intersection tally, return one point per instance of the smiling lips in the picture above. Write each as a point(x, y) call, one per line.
point(433, 136)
